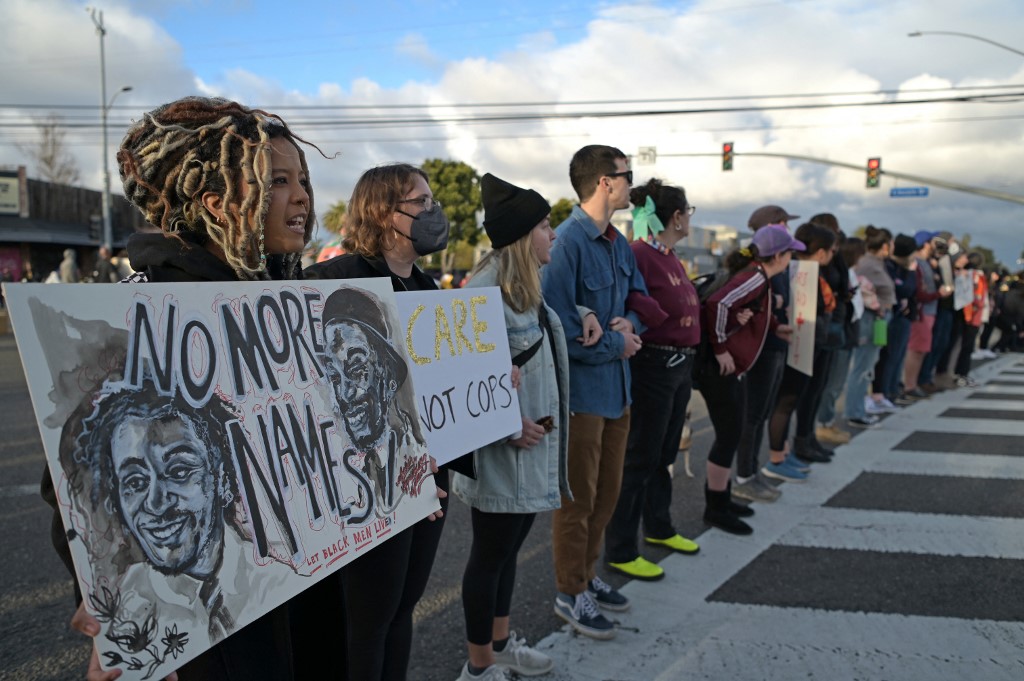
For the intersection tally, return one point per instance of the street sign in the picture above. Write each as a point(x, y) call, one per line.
point(906, 192)
point(647, 156)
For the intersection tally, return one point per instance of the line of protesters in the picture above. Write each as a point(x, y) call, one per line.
point(609, 339)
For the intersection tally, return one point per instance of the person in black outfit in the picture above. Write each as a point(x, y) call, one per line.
point(105, 272)
point(228, 188)
point(392, 220)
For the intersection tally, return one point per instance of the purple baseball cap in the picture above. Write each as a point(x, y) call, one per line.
point(773, 239)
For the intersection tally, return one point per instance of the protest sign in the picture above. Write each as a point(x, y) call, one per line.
point(803, 314)
point(963, 289)
point(218, 448)
point(461, 365)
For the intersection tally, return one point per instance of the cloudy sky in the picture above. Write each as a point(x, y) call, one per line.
point(346, 74)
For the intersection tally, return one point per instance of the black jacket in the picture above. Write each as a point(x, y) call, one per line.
point(262, 649)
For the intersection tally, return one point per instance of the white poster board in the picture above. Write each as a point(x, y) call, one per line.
point(461, 365)
point(803, 314)
point(963, 289)
point(237, 439)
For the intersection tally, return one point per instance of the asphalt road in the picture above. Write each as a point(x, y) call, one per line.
point(36, 599)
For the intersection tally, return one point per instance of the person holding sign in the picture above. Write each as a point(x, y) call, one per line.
point(521, 476)
point(392, 220)
point(228, 189)
point(783, 464)
point(662, 382)
point(737, 319)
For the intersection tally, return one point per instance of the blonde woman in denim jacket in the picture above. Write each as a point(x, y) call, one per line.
point(517, 477)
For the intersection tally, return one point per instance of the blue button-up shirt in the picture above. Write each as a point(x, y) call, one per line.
point(593, 268)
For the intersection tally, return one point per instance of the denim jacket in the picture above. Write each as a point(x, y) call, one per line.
point(589, 269)
point(510, 479)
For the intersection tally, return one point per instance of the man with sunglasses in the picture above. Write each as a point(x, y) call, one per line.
point(592, 266)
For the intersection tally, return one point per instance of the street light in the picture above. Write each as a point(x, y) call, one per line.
point(97, 19)
point(917, 34)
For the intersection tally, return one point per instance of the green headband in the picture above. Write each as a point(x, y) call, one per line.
point(646, 221)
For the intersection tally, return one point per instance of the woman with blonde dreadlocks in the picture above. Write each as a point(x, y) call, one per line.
point(228, 188)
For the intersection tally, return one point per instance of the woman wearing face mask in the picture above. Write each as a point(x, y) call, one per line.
point(227, 187)
point(392, 220)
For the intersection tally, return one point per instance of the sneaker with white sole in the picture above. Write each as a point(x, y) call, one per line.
point(492, 673)
point(886, 404)
point(756, 489)
point(604, 595)
point(522, 659)
point(867, 421)
point(582, 614)
point(783, 471)
point(832, 434)
point(872, 407)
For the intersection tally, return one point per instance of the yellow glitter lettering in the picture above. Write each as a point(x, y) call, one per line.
point(442, 331)
point(408, 337)
point(479, 327)
point(459, 313)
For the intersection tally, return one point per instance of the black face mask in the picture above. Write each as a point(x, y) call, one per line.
point(429, 233)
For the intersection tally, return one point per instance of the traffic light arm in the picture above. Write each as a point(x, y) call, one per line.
point(955, 186)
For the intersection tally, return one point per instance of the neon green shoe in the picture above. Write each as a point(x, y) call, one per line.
point(639, 568)
point(677, 543)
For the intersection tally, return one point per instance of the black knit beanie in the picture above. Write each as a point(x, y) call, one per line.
point(904, 246)
point(510, 212)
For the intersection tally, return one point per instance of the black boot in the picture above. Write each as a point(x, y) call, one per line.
point(813, 441)
point(738, 510)
point(803, 450)
point(717, 513)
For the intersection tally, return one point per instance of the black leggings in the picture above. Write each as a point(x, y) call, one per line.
point(722, 397)
point(810, 400)
point(490, 574)
point(792, 387)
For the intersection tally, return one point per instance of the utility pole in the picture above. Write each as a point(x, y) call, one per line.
point(108, 232)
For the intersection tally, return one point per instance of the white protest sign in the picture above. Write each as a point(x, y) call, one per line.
point(963, 289)
point(461, 364)
point(217, 448)
point(803, 313)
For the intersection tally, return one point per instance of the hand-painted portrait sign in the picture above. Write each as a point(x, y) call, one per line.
point(218, 448)
point(803, 314)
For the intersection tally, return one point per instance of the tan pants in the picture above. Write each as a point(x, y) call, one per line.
point(597, 447)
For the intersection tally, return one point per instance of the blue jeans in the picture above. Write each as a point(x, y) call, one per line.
point(895, 352)
point(862, 367)
point(837, 372)
point(941, 338)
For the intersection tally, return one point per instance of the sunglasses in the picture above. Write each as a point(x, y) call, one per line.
point(628, 174)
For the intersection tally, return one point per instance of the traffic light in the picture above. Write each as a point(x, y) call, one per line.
point(874, 172)
point(727, 156)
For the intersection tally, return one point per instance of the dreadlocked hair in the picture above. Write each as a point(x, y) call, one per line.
point(181, 150)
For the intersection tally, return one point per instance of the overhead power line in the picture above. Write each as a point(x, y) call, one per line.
point(526, 117)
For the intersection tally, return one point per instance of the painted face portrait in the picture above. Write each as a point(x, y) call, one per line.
point(170, 494)
point(361, 384)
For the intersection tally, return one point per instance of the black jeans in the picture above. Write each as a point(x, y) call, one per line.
point(722, 396)
point(662, 384)
point(490, 575)
point(758, 390)
point(364, 611)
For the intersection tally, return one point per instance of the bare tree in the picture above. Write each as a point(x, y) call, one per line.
point(54, 162)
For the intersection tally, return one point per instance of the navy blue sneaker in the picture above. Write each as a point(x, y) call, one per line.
point(582, 615)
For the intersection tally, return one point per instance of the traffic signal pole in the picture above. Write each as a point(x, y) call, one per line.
point(955, 186)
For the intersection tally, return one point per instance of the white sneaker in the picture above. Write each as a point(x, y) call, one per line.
point(492, 673)
point(872, 407)
point(522, 659)
point(886, 405)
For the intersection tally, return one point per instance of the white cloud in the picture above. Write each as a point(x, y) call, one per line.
point(631, 52)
